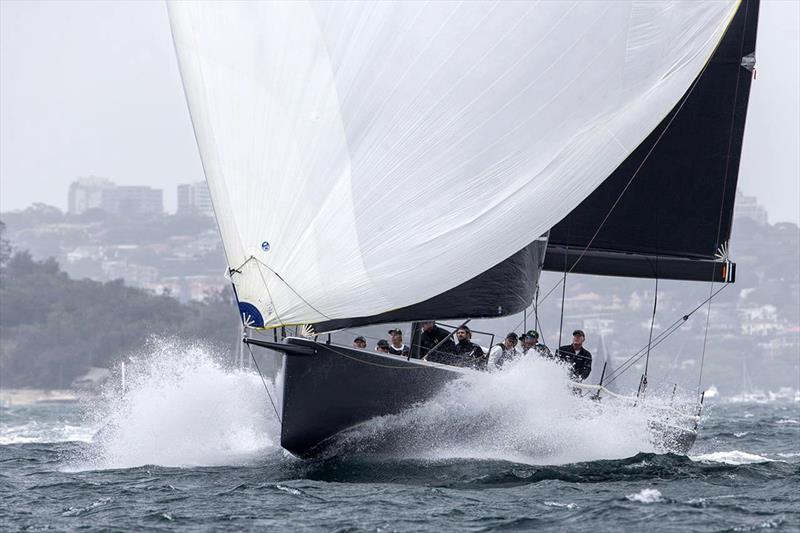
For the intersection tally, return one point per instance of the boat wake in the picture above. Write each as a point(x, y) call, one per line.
point(528, 414)
point(180, 407)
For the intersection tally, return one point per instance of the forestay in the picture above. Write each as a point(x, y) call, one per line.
point(366, 156)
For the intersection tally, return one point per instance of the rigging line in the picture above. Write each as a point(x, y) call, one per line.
point(662, 336)
point(369, 363)
point(290, 288)
point(633, 176)
point(641, 165)
point(672, 410)
point(659, 341)
point(537, 322)
point(652, 324)
point(639, 354)
point(253, 357)
point(673, 364)
point(554, 287)
point(269, 293)
point(635, 358)
point(705, 339)
point(655, 295)
point(724, 188)
point(564, 284)
point(563, 295)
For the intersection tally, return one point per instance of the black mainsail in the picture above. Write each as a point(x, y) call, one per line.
point(667, 210)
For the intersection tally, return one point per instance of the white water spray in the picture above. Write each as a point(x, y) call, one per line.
point(181, 407)
point(528, 413)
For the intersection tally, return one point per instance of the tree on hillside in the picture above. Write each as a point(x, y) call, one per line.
point(52, 328)
point(5, 246)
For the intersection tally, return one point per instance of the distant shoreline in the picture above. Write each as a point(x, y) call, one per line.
point(9, 397)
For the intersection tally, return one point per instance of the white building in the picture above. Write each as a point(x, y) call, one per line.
point(87, 193)
point(101, 193)
point(195, 198)
point(133, 200)
point(748, 207)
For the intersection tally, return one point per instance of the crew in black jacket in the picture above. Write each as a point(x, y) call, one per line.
point(467, 352)
point(578, 357)
point(433, 335)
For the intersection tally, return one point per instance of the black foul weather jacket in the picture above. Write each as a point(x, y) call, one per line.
point(580, 361)
point(470, 354)
point(431, 338)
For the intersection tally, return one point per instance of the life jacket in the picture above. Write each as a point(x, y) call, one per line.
point(506, 354)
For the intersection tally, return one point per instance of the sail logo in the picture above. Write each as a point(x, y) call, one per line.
point(251, 316)
point(265, 246)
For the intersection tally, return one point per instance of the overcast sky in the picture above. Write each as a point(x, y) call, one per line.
point(92, 88)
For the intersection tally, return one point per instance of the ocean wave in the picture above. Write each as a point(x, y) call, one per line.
point(44, 432)
point(734, 457)
point(646, 496)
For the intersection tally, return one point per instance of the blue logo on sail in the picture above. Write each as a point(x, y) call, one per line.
point(251, 316)
point(265, 246)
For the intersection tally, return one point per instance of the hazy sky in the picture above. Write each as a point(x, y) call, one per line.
point(92, 88)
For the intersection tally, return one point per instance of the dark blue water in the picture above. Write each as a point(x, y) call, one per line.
point(742, 475)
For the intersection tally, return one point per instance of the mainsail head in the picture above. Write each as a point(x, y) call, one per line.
point(364, 157)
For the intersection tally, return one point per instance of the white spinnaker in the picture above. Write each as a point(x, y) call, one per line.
point(390, 151)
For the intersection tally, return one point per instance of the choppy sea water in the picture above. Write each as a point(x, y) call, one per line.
point(191, 445)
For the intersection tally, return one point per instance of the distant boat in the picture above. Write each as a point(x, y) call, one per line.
point(403, 161)
point(750, 394)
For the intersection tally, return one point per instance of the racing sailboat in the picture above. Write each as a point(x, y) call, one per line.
point(404, 161)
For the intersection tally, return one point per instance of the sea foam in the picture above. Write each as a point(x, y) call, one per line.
point(181, 407)
point(529, 414)
point(646, 496)
point(734, 457)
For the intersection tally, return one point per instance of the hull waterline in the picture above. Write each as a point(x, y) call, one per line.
point(328, 389)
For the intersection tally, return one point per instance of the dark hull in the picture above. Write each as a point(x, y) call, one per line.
point(332, 388)
point(329, 389)
point(672, 439)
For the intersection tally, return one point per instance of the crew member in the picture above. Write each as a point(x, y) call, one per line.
point(526, 343)
point(467, 352)
point(505, 351)
point(397, 347)
point(576, 356)
point(382, 346)
point(431, 336)
point(360, 342)
point(541, 349)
